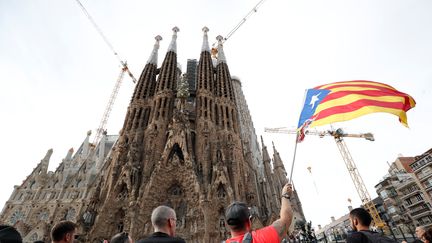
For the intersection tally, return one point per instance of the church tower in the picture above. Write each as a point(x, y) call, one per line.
point(180, 150)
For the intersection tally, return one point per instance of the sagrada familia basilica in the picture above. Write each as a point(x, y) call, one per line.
point(187, 141)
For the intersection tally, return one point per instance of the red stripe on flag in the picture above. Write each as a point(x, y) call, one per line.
point(357, 105)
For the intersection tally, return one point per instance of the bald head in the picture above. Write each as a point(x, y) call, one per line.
point(161, 215)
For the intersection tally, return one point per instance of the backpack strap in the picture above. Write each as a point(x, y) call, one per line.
point(247, 238)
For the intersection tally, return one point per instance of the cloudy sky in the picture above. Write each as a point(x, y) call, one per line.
point(57, 75)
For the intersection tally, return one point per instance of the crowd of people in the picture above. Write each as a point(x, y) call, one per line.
point(238, 219)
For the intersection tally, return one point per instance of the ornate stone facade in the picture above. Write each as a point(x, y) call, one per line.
point(46, 197)
point(193, 150)
point(195, 154)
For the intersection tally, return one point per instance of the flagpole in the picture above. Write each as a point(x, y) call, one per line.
point(296, 142)
point(294, 157)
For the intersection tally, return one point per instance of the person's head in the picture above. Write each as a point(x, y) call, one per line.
point(237, 217)
point(121, 238)
point(164, 220)
point(427, 235)
point(419, 231)
point(64, 231)
point(360, 219)
point(9, 234)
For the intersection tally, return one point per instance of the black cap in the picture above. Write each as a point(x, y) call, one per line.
point(237, 213)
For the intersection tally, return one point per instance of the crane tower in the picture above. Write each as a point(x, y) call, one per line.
point(359, 184)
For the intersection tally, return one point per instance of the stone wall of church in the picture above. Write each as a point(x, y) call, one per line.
point(46, 197)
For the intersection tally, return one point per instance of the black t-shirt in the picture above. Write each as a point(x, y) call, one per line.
point(357, 237)
point(159, 237)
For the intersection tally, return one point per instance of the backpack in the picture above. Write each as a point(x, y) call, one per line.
point(247, 238)
point(374, 237)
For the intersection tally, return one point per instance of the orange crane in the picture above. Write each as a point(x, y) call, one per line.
point(125, 69)
point(214, 50)
point(338, 135)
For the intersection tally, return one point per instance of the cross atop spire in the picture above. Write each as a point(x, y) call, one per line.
point(221, 55)
point(154, 55)
point(205, 45)
point(173, 45)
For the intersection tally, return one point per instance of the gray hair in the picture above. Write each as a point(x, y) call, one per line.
point(160, 215)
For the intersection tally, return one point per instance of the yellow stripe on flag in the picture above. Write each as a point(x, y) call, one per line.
point(352, 89)
point(348, 99)
point(360, 112)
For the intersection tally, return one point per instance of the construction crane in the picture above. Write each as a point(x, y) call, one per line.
point(124, 69)
point(214, 50)
point(360, 186)
point(102, 125)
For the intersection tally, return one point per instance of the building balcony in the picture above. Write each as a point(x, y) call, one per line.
point(389, 202)
point(419, 202)
point(423, 163)
point(410, 194)
point(420, 212)
point(406, 183)
point(396, 218)
point(424, 177)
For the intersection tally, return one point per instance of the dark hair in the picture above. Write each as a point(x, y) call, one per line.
point(236, 215)
point(120, 238)
point(39, 241)
point(362, 216)
point(59, 230)
point(9, 234)
point(428, 234)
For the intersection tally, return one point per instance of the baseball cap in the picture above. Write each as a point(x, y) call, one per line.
point(237, 213)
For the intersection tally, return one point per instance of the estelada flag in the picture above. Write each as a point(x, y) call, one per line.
point(343, 101)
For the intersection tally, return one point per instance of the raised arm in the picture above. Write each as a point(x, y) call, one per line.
point(286, 213)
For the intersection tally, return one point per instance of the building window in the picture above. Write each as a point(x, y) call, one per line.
point(16, 216)
point(391, 209)
point(221, 193)
point(408, 201)
point(175, 190)
point(43, 216)
point(383, 194)
point(419, 197)
point(34, 237)
point(70, 215)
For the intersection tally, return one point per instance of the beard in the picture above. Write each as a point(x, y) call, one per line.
point(354, 228)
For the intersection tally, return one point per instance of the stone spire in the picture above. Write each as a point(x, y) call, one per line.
point(205, 45)
point(154, 55)
point(173, 45)
point(266, 156)
point(205, 74)
point(146, 85)
point(45, 161)
point(86, 145)
point(69, 154)
point(221, 55)
point(224, 86)
point(168, 71)
point(277, 161)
